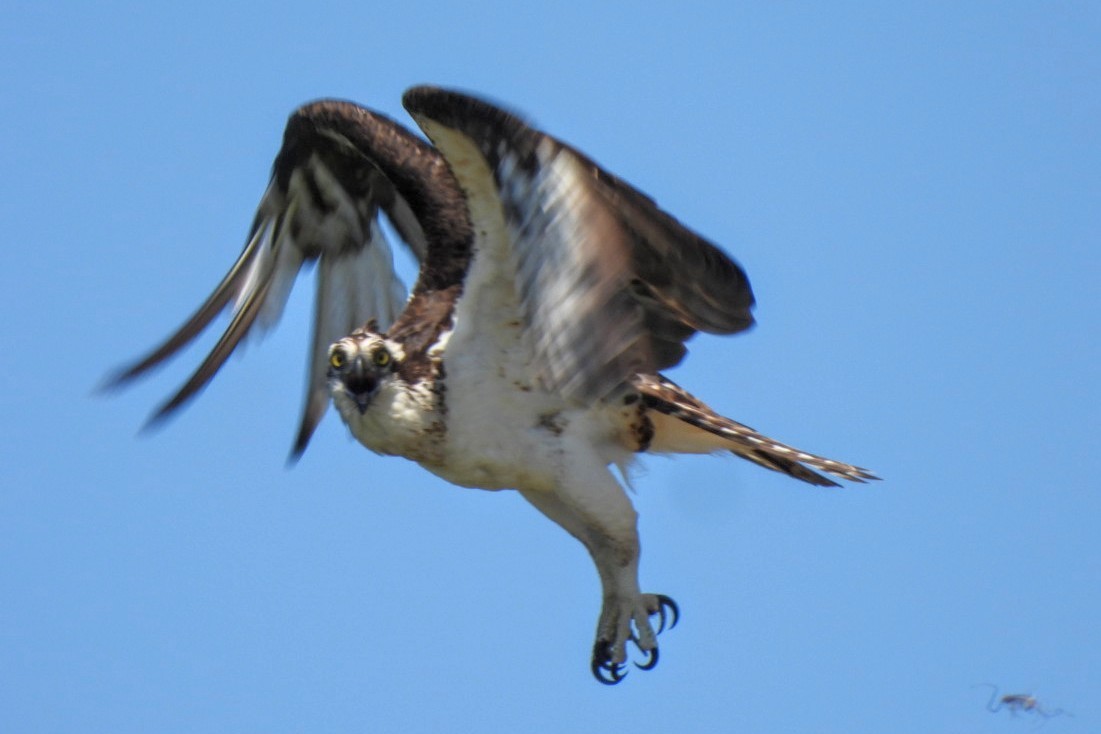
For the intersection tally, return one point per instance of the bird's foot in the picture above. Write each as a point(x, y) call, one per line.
point(624, 620)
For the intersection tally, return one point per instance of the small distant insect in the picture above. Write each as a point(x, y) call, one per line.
point(1018, 703)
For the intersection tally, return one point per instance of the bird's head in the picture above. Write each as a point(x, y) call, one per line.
point(360, 365)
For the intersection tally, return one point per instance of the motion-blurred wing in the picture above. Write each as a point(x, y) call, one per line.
point(610, 285)
point(323, 205)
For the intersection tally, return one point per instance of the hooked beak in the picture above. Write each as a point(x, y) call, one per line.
point(360, 383)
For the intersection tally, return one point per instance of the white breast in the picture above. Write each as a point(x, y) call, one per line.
point(502, 430)
point(401, 421)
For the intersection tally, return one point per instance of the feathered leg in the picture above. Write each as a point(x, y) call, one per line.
point(590, 504)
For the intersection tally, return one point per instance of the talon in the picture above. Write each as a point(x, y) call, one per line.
point(652, 660)
point(674, 612)
point(604, 670)
point(613, 672)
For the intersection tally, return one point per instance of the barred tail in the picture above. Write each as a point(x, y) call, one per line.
point(683, 424)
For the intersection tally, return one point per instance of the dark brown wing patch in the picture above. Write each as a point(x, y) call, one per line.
point(609, 284)
point(339, 167)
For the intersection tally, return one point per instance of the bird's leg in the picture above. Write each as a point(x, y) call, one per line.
point(592, 506)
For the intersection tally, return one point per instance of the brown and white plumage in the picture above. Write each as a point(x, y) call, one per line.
point(323, 205)
point(527, 357)
point(610, 284)
point(683, 424)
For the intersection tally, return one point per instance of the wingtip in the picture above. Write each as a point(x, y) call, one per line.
point(302, 440)
point(293, 457)
point(170, 407)
point(119, 377)
point(157, 419)
point(297, 451)
point(112, 382)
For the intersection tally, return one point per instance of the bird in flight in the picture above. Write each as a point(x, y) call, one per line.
point(527, 356)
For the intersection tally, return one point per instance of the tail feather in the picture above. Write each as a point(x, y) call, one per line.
point(669, 399)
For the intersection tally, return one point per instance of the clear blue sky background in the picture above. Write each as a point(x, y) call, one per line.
point(915, 192)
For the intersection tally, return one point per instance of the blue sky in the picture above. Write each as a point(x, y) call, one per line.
point(915, 192)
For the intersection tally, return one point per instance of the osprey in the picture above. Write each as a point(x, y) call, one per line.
point(550, 295)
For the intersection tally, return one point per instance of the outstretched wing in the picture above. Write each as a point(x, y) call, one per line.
point(610, 285)
point(322, 204)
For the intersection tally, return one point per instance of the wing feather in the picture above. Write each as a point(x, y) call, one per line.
point(228, 289)
point(327, 191)
point(243, 317)
point(609, 284)
point(342, 302)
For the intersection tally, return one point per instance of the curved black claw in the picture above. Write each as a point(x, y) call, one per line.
point(674, 612)
point(604, 670)
point(651, 660)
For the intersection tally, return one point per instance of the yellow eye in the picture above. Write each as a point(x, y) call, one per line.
point(337, 358)
point(381, 357)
